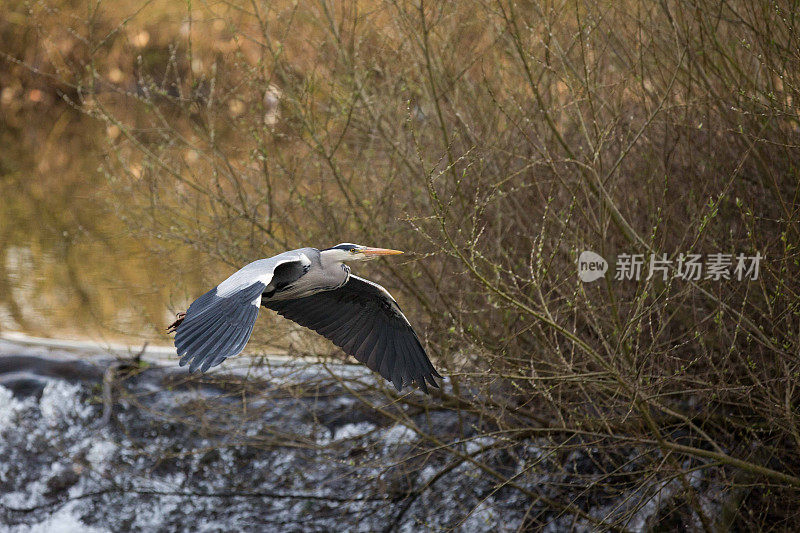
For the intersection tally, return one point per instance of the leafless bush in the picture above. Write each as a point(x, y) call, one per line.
point(497, 141)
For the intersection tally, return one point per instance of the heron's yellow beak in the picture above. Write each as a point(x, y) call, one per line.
point(379, 251)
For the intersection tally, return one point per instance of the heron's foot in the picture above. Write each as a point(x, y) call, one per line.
point(174, 326)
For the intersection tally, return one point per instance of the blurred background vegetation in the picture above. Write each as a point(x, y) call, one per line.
point(149, 148)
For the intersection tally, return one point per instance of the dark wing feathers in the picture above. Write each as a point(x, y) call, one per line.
point(216, 328)
point(364, 321)
point(360, 317)
point(218, 324)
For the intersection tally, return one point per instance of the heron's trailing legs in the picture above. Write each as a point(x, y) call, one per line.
point(174, 326)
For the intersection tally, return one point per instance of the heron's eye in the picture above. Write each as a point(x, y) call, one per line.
point(353, 250)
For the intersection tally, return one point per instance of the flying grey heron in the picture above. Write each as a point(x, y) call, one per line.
point(315, 289)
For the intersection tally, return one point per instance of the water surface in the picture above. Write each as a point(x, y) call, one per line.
point(68, 265)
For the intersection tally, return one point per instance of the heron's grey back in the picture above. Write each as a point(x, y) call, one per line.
point(261, 270)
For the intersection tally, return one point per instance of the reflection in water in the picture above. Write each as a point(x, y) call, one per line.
point(67, 265)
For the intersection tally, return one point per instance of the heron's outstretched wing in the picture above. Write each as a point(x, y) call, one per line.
point(219, 323)
point(363, 319)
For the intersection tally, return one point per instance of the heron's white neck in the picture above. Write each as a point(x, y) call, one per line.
point(334, 255)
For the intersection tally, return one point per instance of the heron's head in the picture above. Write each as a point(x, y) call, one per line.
point(355, 252)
